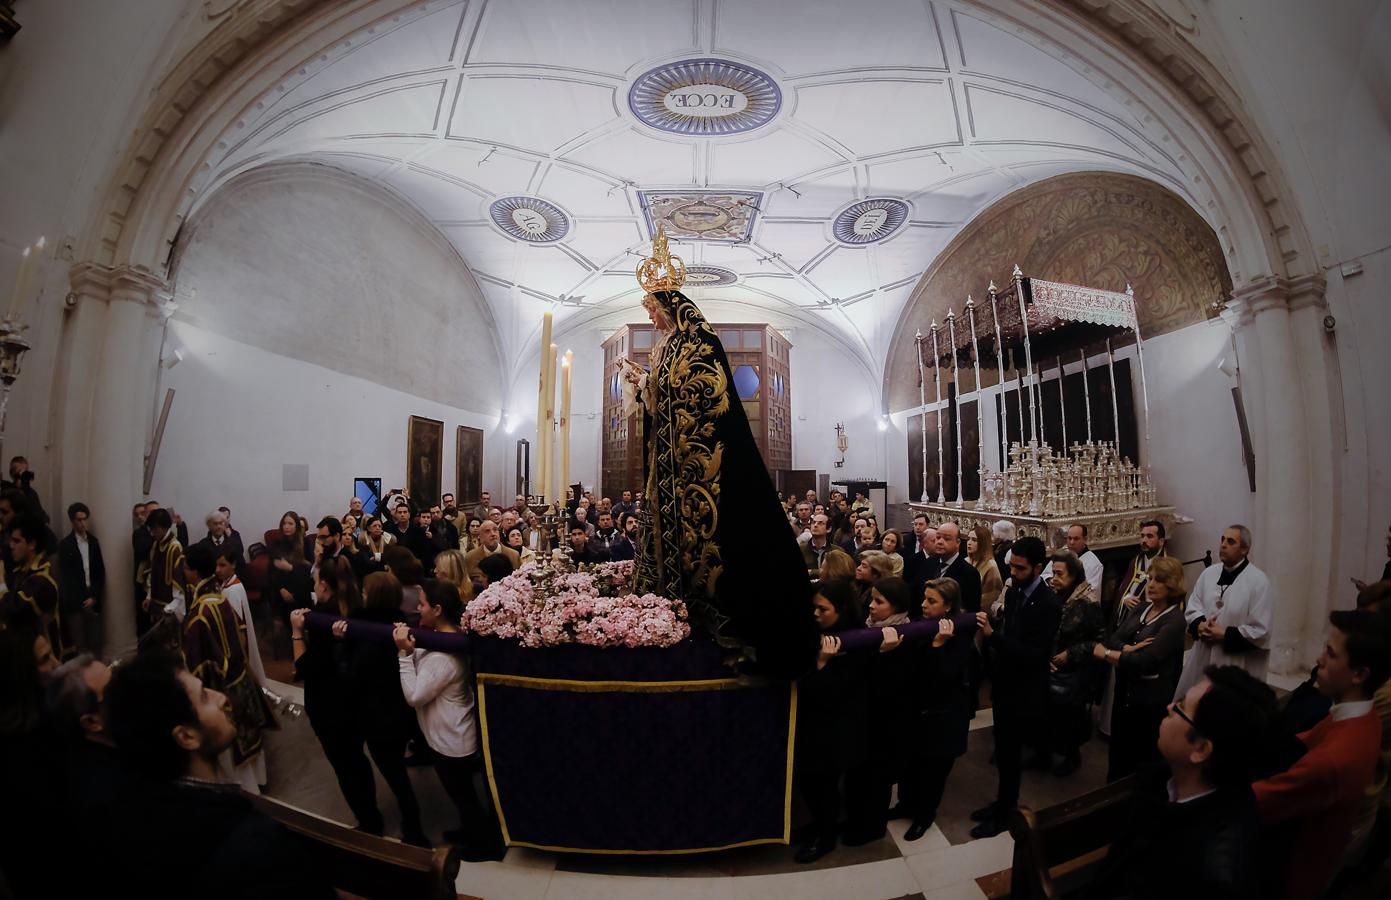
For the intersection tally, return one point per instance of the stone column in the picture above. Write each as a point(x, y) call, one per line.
point(1282, 438)
point(115, 307)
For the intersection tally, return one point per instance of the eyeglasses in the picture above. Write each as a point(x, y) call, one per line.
point(1177, 708)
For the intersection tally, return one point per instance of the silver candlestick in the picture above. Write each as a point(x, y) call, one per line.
point(13, 346)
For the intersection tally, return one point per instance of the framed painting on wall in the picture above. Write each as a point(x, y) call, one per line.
point(424, 447)
point(468, 466)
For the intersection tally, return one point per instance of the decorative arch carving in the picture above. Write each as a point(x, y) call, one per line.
point(1099, 229)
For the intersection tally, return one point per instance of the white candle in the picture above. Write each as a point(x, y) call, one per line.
point(566, 368)
point(19, 279)
point(538, 485)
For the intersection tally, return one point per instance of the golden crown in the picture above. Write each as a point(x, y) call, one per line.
point(661, 271)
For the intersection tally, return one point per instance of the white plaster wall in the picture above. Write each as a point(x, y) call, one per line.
point(1318, 79)
point(241, 412)
point(319, 265)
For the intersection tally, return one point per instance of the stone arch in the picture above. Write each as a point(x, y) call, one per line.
point(1101, 229)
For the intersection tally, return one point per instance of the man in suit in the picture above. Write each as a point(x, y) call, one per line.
point(81, 582)
point(489, 544)
point(921, 563)
point(220, 534)
point(1020, 651)
point(953, 564)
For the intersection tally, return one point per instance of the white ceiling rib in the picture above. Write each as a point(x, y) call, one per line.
point(464, 103)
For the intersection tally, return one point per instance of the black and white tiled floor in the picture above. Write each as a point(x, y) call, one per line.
point(943, 864)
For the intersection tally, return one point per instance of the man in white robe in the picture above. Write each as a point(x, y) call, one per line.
point(1091, 563)
point(1229, 613)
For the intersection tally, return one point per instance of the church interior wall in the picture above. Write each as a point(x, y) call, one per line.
point(315, 317)
point(242, 412)
point(1319, 113)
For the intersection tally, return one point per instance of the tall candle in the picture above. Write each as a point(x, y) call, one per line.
point(566, 368)
point(538, 485)
point(556, 489)
point(21, 276)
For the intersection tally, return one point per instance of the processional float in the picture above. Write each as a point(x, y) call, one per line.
point(1040, 489)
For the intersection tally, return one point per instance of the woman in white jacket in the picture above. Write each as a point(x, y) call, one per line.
point(437, 687)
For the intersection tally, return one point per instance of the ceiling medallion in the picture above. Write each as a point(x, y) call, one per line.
point(869, 221)
point(709, 276)
point(704, 98)
point(530, 219)
point(702, 215)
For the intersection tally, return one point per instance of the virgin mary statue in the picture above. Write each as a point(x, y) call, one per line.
point(712, 531)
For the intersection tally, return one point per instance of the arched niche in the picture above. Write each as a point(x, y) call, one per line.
point(1099, 229)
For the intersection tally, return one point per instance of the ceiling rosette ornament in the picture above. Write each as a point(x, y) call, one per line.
point(705, 98)
point(530, 219)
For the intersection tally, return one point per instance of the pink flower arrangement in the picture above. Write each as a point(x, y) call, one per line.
point(542, 605)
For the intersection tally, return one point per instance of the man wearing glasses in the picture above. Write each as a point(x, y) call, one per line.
point(1195, 835)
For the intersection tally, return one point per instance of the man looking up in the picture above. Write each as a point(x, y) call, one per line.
point(1204, 818)
point(1309, 809)
point(171, 729)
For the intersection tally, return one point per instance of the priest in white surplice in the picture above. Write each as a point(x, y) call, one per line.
point(1229, 613)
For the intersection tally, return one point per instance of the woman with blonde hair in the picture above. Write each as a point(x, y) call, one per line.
point(450, 567)
point(978, 552)
point(836, 563)
point(1146, 652)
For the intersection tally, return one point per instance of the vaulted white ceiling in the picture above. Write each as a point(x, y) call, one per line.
point(456, 105)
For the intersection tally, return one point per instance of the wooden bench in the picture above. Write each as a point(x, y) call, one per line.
point(364, 865)
point(1057, 849)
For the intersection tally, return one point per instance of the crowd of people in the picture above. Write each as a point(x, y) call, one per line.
point(1259, 798)
point(1053, 647)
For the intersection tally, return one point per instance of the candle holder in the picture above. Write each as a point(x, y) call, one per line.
point(13, 346)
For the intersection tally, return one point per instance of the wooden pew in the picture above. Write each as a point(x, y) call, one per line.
point(1057, 849)
point(364, 865)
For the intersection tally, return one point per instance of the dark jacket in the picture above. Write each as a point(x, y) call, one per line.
point(72, 588)
point(831, 713)
point(414, 539)
point(229, 849)
point(374, 681)
point(968, 576)
point(1150, 675)
point(232, 541)
point(323, 669)
point(919, 568)
point(942, 696)
point(615, 549)
point(1200, 850)
point(1022, 646)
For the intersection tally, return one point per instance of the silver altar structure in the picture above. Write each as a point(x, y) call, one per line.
point(1038, 489)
